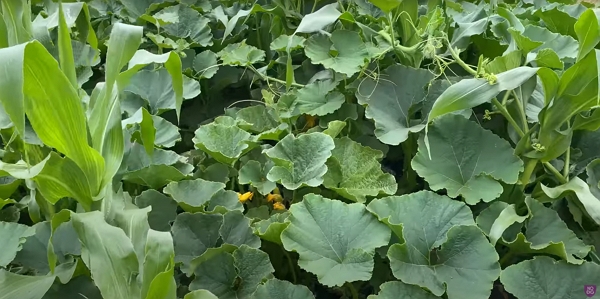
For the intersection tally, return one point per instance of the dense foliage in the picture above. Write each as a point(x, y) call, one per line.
point(297, 149)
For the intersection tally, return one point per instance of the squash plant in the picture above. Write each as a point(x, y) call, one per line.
point(299, 149)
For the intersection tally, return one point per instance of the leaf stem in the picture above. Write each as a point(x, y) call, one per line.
point(460, 62)
point(528, 171)
point(555, 172)
point(508, 117)
point(506, 258)
point(567, 162)
point(352, 290)
point(267, 78)
point(291, 265)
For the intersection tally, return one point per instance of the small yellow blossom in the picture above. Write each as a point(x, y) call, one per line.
point(245, 197)
point(274, 198)
point(311, 121)
point(278, 206)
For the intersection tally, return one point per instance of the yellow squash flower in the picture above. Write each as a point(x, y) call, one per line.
point(274, 198)
point(245, 197)
point(278, 206)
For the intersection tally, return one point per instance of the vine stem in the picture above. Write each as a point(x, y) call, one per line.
point(352, 290)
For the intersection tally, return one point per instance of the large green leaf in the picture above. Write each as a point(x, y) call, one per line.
point(109, 254)
point(255, 173)
point(300, 160)
point(156, 87)
point(466, 160)
point(23, 287)
point(389, 99)
point(194, 234)
point(225, 142)
point(281, 289)
point(164, 209)
point(185, 22)
point(469, 93)
point(543, 277)
point(13, 235)
point(319, 98)
point(193, 194)
point(34, 82)
point(397, 289)
point(354, 171)
point(157, 170)
point(233, 275)
point(241, 54)
point(137, 8)
point(319, 19)
point(348, 55)
point(443, 250)
point(537, 39)
point(322, 231)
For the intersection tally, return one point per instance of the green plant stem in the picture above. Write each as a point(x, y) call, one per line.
point(505, 98)
point(352, 290)
point(268, 78)
point(508, 117)
point(556, 173)
point(291, 265)
point(506, 258)
point(528, 171)
point(460, 62)
point(567, 162)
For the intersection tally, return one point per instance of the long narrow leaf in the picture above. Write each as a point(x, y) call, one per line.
point(23, 287)
point(65, 50)
point(33, 84)
point(109, 255)
point(105, 119)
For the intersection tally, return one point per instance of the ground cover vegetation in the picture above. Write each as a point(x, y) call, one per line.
point(378, 149)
